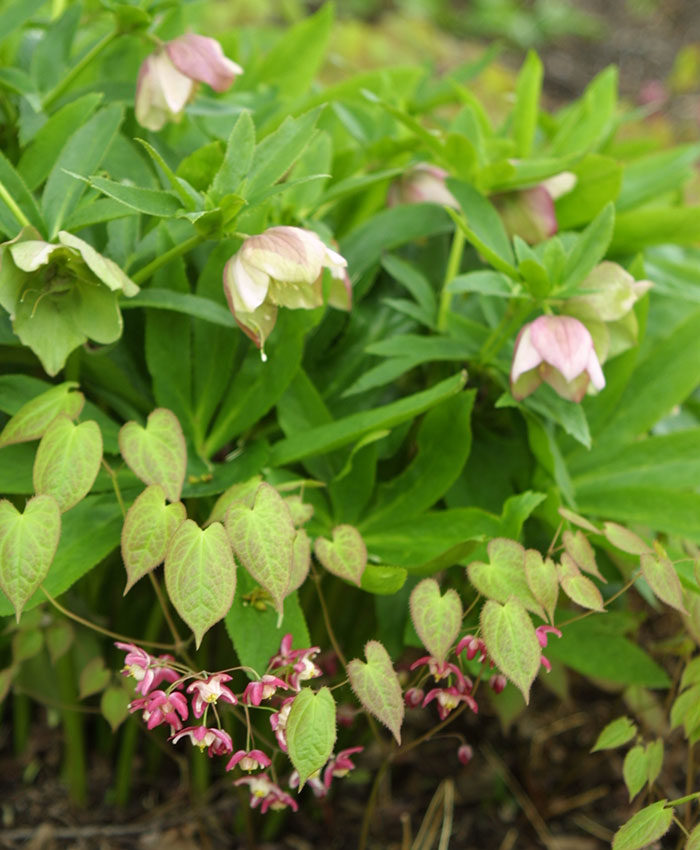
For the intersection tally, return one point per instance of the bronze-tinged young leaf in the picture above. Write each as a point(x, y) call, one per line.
point(578, 547)
point(542, 580)
point(504, 576)
point(580, 589)
point(635, 768)
point(147, 531)
point(662, 578)
point(242, 491)
point(646, 827)
point(376, 685)
point(437, 619)
point(263, 540)
point(624, 539)
point(301, 561)
point(511, 642)
point(156, 454)
point(67, 461)
point(33, 418)
point(310, 731)
point(301, 511)
point(576, 519)
point(345, 556)
point(615, 734)
point(28, 544)
point(200, 575)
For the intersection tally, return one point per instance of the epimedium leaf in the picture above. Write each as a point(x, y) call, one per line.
point(437, 619)
point(94, 677)
point(655, 760)
point(262, 537)
point(624, 539)
point(511, 642)
point(693, 842)
point(615, 734)
point(579, 548)
point(376, 685)
point(301, 560)
point(345, 556)
point(33, 418)
point(156, 454)
point(28, 543)
point(383, 580)
point(504, 576)
point(311, 731)
point(114, 705)
point(635, 769)
point(241, 491)
point(582, 591)
point(300, 510)
point(542, 579)
point(68, 460)
point(149, 526)
point(200, 575)
point(662, 578)
point(580, 521)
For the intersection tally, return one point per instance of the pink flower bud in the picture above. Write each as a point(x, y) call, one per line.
point(497, 683)
point(529, 213)
point(414, 697)
point(423, 183)
point(465, 754)
point(558, 350)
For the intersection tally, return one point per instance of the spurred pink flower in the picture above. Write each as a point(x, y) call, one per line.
point(297, 664)
point(249, 760)
point(438, 669)
point(148, 670)
point(448, 699)
point(278, 722)
point(161, 707)
point(266, 794)
point(261, 689)
point(340, 765)
point(210, 690)
point(472, 646)
point(414, 697)
point(497, 683)
point(217, 742)
point(558, 350)
point(542, 632)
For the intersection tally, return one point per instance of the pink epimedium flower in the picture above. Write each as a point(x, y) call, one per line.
point(278, 722)
point(465, 754)
point(250, 760)
point(438, 669)
point(299, 660)
point(558, 350)
point(161, 707)
point(414, 697)
point(339, 765)
point(282, 267)
point(497, 683)
point(168, 78)
point(210, 691)
point(215, 741)
point(266, 794)
point(473, 646)
point(148, 670)
point(542, 632)
point(448, 699)
point(313, 782)
point(264, 688)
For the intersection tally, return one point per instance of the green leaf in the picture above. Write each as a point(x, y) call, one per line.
point(238, 157)
point(634, 770)
point(345, 556)
point(34, 417)
point(59, 638)
point(262, 537)
point(504, 576)
point(437, 619)
point(648, 177)
point(615, 734)
point(28, 544)
point(484, 282)
point(241, 491)
point(182, 302)
point(582, 591)
point(638, 229)
point(655, 760)
point(149, 526)
point(157, 453)
point(484, 226)
point(94, 677)
point(590, 248)
point(580, 550)
point(189, 198)
point(624, 539)
point(67, 461)
point(414, 281)
point(542, 579)
point(114, 706)
point(662, 578)
point(376, 685)
point(154, 202)
point(82, 154)
point(598, 180)
point(310, 731)
point(16, 14)
point(528, 87)
point(647, 826)
point(511, 642)
point(589, 120)
point(200, 575)
point(17, 188)
point(383, 580)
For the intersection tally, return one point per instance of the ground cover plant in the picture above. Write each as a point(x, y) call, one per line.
point(334, 412)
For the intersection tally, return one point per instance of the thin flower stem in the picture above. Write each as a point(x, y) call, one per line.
point(453, 263)
point(326, 617)
point(149, 270)
point(78, 68)
point(179, 643)
point(509, 322)
point(687, 799)
point(12, 206)
point(115, 486)
point(689, 777)
point(585, 614)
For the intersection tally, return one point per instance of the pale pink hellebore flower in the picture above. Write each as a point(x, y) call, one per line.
point(529, 213)
point(168, 78)
point(558, 350)
point(422, 183)
point(282, 267)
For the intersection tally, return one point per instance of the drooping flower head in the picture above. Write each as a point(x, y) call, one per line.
point(146, 669)
point(422, 183)
point(209, 691)
point(266, 794)
point(558, 350)
point(529, 213)
point(160, 707)
point(217, 742)
point(262, 689)
point(249, 760)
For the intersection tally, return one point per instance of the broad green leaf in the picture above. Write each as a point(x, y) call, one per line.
point(436, 618)
point(662, 578)
point(28, 544)
point(300, 510)
point(310, 731)
point(542, 579)
point(598, 180)
point(590, 248)
point(157, 453)
point(94, 677)
point(527, 97)
point(149, 526)
point(511, 642)
point(615, 734)
point(238, 157)
point(504, 576)
point(582, 591)
point(485, 228)
point(644, 828)
point(693, 842)
point(655, 760)
point(301, 560)
point(68, 460)
point(635, 769)
point(345, 555)
point(16, 463)
point(34, 417)
point(17, 188)
point(383, 580)
point(376, 685)
point(182, 302)
point(577, 546)
point(156, 202)
point(624, 539)
point(200, 575)
point(114, 705)
point(262, 537)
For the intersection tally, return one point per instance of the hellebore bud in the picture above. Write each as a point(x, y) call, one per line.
point(529, 213)
point(422, 183)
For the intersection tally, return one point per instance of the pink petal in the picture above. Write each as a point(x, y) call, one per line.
point(202, 59)
point(563, 342)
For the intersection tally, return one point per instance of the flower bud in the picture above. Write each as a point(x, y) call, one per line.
point(529, 213)
point(497, 683)
point(465, 754)
point(414, 697)
point(423, 183)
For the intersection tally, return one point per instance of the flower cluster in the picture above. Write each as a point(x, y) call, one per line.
point(457, 688)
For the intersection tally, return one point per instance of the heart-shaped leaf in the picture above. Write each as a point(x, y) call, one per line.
point(148, 529)
point(33, 418)
point(28, 543)
point(67, 461)
point(582, 591)
point(662, 578)
point(263, 539)
point(542, 580)
point(634, 770)
point(157, 453)
point(376, 685)
point(345, 556)
point(301, 511)
point(383, 580)
point(578, 547)
point(310, 731)
point(114, 706)
point(94, 677)
point(301, 560)
point(615, 734)
point(200, 575)
point(437, 619)
point(644, 828)
point(242, 491)
point(625, 539)
point(504, 576)
point(511, 642)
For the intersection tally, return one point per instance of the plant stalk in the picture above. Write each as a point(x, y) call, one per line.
point(78, 68)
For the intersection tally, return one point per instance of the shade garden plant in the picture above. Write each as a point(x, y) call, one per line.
point(327, 406)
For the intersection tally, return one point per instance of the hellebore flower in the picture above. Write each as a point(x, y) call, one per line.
point(168, 78)
point(217, 741)
point(282, 267)
point(558, 350)
point(209, 691)
point(148, 671)
point(422, 183)
point(529, 213)
point(59, 295)
point(252, 760)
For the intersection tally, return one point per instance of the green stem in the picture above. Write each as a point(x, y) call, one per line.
point(12, 206)
point(176, 251)
point(20, 722)
point(78, 68)
point(73, 732)
point(679, 802)
point(503, 330)
point(453, 263)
